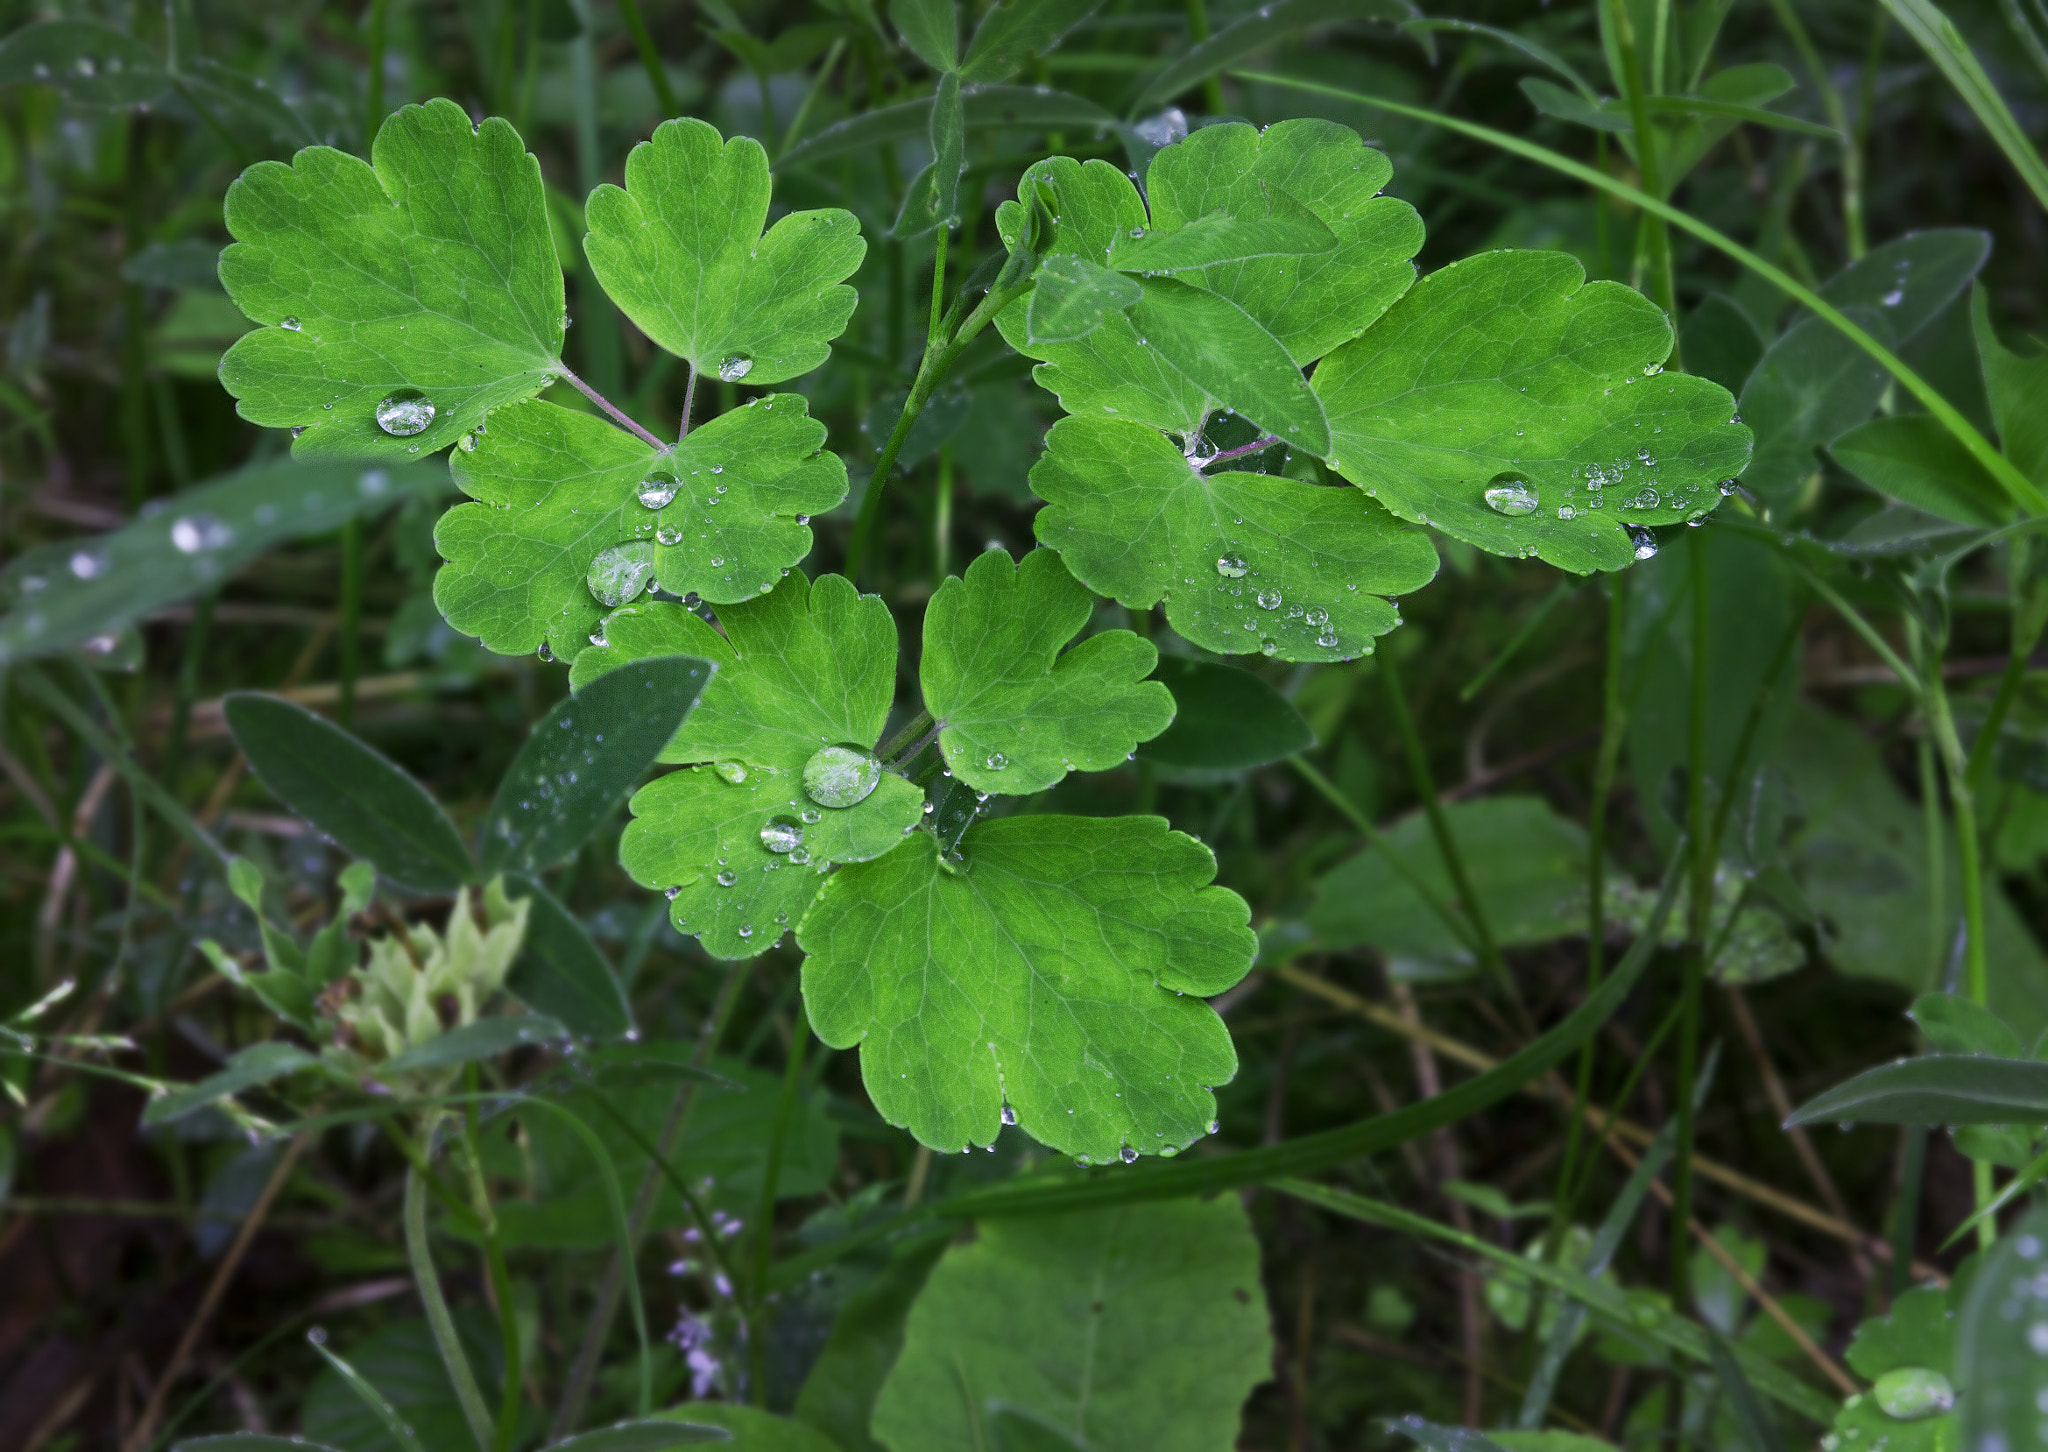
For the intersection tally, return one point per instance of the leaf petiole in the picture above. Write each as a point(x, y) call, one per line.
point(613, 412)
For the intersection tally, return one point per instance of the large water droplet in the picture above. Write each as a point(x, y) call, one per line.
point(669, 534)
point(996, 761)
point(732, 771)
point(659, 487)
point(1232, 567)
point(1009, 1115)
point(1645, 543)
point(1268, 599)
point(728, 877)
point(1912, 1392)
point(782, 834)
point(1128, 1155)
point(620, 573)
point(735, 367)
point(1647, 499)
point(405, 413)
point(290, 325)
point(1511, 494)
point(841, 776)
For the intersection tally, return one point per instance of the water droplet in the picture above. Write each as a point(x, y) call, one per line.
point(1232, 567)
point(659, 487)
point(746, 930)
point(1645, 543)
point(290, 325)
point(85, 564)
point(1010, 1115)
point(812, 815)
point(1651, 370)
point(1269, 647)
point(732, 771)
point(544, 653)
point(1728, 487)
point(1893, 298)
point(735, 367)
point(1567, 511)
point(1317, 617)
point(782, 834)
point(800, 856)
point(1128, 1155)
point(620, 573)
point(1913, 1392)
point(841, 776)
point(1511, 494)
point(675, 892)
point(405, 413)
point(192, 533)
point(1268, 599)
point(996, 761)
point(728, 877)
point(1327, 640)
point(669, 534)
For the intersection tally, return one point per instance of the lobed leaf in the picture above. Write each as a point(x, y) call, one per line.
point(1515, 406)
point(1139, 1329)
point(423, 288)
point(555, 489)
point(1244, 562)
point(1054, 983)
point(1071, 296)
point(681, 250)
point(984, 108)
point(1015, 713)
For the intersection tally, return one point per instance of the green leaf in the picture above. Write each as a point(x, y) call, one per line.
point(753, 1430)
point(1241, 559)
point(2018, 390)
point(89, 63)
point(1223, 352)
point(1912, 458)
point(1014, 30)
point(1138, 1329)
point(985, 108)
point(1253, 33)
point(933, 197)
point(247, 1442)
point(1017, 710)
point(805, 676)
point(582, 759)
point(425, 289)
point(1313, 302)
point(686, 1429)
point(1526, 863)
point(838, 1396)
point(931, 28)
point(402, 1362)
point(1919, 1330)
point(1434, 1437)
point(560, 973)
point(2002, 1369)
point(65, 594)
point(1720, 341)
point(1058, 977)
point(681, 251)
point(354, 795)
point(1957, 1025)
point(484, 1039)
point(555, 489)
point(1070, 296)
point(1936, 1089)
point(1224, 719)
point(1262, 222)
point(1515, 406)
point(256, 1065)
point(1936, 34)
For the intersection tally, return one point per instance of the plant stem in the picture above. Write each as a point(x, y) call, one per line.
point(495, 1267)
point(931, 371)
point(771, 1177)
point(1198, 32)
point(617, 416)
point(657, 73)
point(942, 516)
point(1636, 89)
point(373, 91)
point(188, 688)
point(348, 640)
point(1699, 917)
point(1440, 826)
point(438, 1320)
point(1831, 104)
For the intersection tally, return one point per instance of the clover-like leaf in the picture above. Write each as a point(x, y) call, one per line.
point(1316, 300)
point(786, 783)
point(402, 301)
point(1517, 407)
point(1071, 296)
point(1055, 983)
point(680, 249)
point(1245, 562)
point(1016, 715)
point(719, 515)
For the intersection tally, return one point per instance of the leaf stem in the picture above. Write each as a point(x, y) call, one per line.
point(613, 411)
point(1636, 88)
point(495, 1267)
point(1265, 442)
point(349, 637)
point(916, 727)
point(1700, 906)
point(657, 73)
point(771, 1177)
point(438, 1320)
point(689, 404)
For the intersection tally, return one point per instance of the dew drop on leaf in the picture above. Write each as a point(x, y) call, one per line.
point(1511, 494)
point(735, 367)
point(782, 834)
point(1269, 599)
point(191, 533)
point(732, 771)
point(1913, 1392)
point(841, 776)
point(290, 325)
point(996, 761)
point(1232, 567)
point(620, 573)
point(405, 413)
point(1645, 543)
point(1009, 1115)
point(659, 487)
point(728, 877)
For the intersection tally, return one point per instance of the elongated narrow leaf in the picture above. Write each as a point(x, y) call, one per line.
point(354, 795)
point(649, 1436)
point(560, 972)
point(1913, 459)
point(985, 108)
point(484, 1039)
point(1138, 1329)
point(1224, 719)
point(1017, 707)
point(66, 594)
point(258, 1064)
point(1937, 35)
point(1225, 353)
point(89, 63)
point(1014, 30)
point(1435, 1437)
point(1936, 1089)
point(400, 302)
point(1254, 33)
point(248, 1442)
point(933, 197)
point(583, 759)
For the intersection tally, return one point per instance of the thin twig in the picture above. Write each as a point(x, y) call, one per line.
point(612, 411)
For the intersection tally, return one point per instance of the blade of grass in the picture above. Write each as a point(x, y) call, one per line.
point(1937, 35)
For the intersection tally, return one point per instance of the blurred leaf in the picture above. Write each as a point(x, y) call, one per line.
point(1551, 99)
point(560, 972)
point(1070, 297)
point(355, 796)
point(1913, 458)
point(933, 198)
point(1957, 1025)
point(257, 1064)
point(2001, 1368)
point(931, 28)
point(838, 1397)
point(2018, 390)
point(751, 1429)
point(401, 1361)
point(1936, 1089)
point(583, 759)
point(484, 1039)
point(649, 1436)
point(1759, 1428)
point(1012, 31)
point(1253, 33)
point(984, 108)
point(1432, 1437)
point(1145, 1326)
point(247, 1442)
point(187, 263)
point(1225, 719)
point(1535, 50)
point(68, 593)
point(1937, 35)
point(89, 63)
point(1720, 341)
point(1919, 1330)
